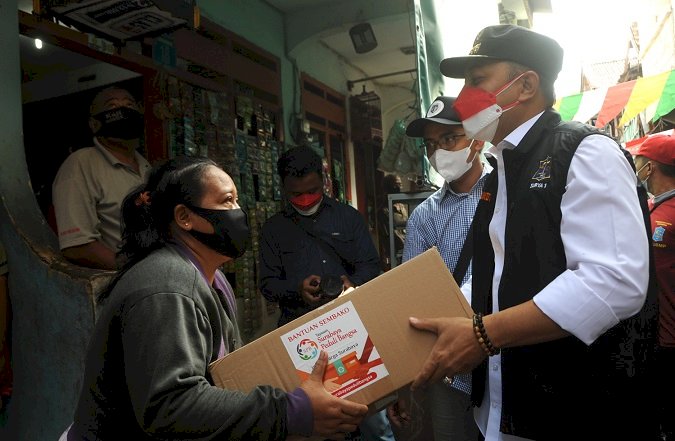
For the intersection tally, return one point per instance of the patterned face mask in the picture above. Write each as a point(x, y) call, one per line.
point(479, 111)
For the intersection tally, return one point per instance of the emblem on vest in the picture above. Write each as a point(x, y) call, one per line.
point(543, 173)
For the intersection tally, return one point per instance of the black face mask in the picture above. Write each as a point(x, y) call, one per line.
point(122, 123)
point(231, 237)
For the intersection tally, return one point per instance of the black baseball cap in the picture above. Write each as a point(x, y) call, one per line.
point(440, 111)
point(512, 43)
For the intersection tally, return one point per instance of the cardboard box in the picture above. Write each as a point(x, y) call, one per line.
point(373, 351)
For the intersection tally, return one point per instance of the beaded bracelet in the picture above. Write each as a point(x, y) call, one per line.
point(482, 337)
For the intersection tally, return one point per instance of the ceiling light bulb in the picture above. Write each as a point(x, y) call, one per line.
point(38, 43)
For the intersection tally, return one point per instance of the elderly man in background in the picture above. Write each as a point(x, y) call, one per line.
point(92, 182)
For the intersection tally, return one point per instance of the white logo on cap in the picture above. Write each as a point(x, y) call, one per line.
point(435, 109)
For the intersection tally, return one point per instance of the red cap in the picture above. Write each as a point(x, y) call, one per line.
point(659, 148)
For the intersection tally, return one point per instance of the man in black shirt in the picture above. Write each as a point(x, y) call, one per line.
point(313, 239)
point(314, 236)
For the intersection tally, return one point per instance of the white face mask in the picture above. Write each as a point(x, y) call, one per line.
point(452, 165)
point(644, 182)
point(309, 212)
point(484, 125)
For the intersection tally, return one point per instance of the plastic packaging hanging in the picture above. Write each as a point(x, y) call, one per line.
point(400, 153)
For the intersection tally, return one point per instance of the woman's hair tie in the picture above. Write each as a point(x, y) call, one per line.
point(143, 199)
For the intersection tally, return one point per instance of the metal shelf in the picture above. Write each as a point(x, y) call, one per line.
point(412, 200)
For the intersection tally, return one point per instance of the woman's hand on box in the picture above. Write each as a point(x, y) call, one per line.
point(333, 417)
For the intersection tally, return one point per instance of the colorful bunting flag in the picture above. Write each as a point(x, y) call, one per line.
point(631, 97)
point(590, 104)
point(615, 101)
point(646, 91)
point(569, 105)
point(667, 102)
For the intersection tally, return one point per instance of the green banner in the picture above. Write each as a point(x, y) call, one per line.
point(430, 53)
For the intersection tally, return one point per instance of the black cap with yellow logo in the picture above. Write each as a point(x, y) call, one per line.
point(512, 43)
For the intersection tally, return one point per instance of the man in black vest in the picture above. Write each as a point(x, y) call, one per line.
point(560, 265)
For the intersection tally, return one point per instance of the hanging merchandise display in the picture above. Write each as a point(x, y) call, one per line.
point(256, 152)
point(400, 154)
point(630, 97)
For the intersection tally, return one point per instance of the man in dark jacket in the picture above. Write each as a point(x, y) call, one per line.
point(313, 239)
point(560, 264)
point(314, 236)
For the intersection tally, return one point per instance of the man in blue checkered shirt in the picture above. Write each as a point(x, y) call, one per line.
point(443, 221)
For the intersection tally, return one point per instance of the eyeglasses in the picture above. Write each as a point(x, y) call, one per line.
point(447, 141)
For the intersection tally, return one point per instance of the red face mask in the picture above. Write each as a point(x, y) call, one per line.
point(306, 201)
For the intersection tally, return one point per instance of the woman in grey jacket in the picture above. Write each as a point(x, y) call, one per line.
point(170, 312)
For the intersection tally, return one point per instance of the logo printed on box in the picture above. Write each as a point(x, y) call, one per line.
point(353, 360)
point(307, 349)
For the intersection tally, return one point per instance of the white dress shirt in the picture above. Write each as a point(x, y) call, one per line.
point(602, 231)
